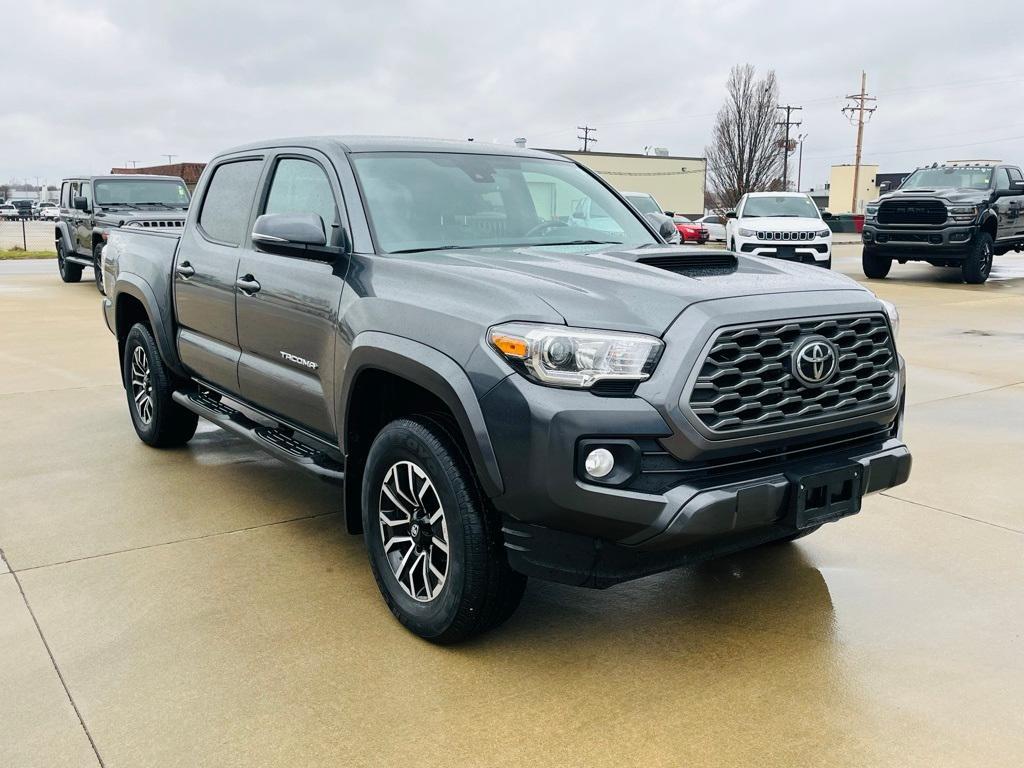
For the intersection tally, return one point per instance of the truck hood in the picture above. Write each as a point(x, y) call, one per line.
point(612, 289)
point(151, 216)
point(780, 224)
point(951, 194)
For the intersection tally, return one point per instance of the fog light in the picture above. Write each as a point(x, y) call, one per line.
point(599, 463)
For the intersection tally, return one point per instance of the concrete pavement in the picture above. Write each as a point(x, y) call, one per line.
point(204, 607)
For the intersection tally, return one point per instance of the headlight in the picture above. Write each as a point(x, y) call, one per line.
point(823, 232)
point(965, 213)
point(574, 357)
point(894, 316)
point(746, 232)
point(870, 211)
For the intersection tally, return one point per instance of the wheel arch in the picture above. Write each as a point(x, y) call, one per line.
point(989, 224)
point(62, 234)
point(382, 373)
point(134, 301)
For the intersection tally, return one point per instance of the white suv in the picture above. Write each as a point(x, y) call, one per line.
point(783, 225)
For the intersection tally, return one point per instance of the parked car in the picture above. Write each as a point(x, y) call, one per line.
point(501, 390)
point(8, 212)
point(47, 210)
point(647, 205)
point(715, 225)
point(24, 208)
point(953, 215)
point(690, 231)
point(782, 225)
point(93, 206)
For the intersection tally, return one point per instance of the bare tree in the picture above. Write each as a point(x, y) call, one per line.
point(746, 153)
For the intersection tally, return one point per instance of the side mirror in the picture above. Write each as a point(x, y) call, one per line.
point(1016, 188)
point(885, 187)
point(826, 215)
point(670, 213)
point(293, 234)
point(730, 214)
point(80, 204)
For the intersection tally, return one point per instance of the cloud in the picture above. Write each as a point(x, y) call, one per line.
point(100, 83)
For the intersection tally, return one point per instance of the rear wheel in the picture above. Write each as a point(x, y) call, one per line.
point(69, 273)
point(977, 264)
point(434, 545)
point(158, 420)
point(97, 266)
point(876, 265)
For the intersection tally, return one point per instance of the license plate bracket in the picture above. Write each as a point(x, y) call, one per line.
point(822, 497)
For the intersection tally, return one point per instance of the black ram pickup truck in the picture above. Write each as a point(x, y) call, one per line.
point(953, 215)
point(501, 390)
point(92, 206)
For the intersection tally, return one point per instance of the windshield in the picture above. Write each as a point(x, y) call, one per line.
point(945, 178)
point(419, 201)
point(170, 193)
point(644, 203)
point(784, 206)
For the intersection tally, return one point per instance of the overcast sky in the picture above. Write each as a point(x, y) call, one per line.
point(90, 84)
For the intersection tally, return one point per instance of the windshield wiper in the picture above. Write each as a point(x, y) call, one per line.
point(577, 242)
point(442, 248)
point(111, 205)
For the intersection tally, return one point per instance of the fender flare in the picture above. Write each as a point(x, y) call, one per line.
point(438, 374)
point(989, 215)
point(63, 233)
point(129, 284)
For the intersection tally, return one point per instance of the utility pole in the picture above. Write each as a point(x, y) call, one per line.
point(800, 161)
point(133, 163)
point(170, 158)
point(785, 146)
point(858, 109)
point(585, 138)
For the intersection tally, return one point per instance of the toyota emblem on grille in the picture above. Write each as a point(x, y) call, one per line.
point(814, 361)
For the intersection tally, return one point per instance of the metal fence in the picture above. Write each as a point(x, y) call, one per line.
point(26, 235)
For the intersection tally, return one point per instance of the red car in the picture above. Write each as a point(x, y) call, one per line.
point(690, 231)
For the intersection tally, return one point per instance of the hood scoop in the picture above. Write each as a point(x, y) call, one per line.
point(694, 264)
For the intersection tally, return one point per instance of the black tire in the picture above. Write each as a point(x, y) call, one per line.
point(796, 535)
point(732, 245)
point(977, 264)
point(69, 273)
point(97, 267)
point(876, 265)
point(158, 420)
point(479, 590)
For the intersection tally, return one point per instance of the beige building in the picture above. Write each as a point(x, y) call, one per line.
point(676, 182)
point(840, 188)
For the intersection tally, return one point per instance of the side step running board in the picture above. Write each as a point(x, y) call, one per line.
point(80, 260)
point(278, 442)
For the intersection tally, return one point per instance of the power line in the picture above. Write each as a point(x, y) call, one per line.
point(858, 108)
point(785, 147)
point(585, 138)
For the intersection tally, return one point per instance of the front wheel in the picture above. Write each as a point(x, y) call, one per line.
point(97, 267)
point(434, 545)
point(977, 264)
point(158, 420)
point(876, 265)
point(69, 273)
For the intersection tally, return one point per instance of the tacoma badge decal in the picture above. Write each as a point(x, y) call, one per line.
point(299, 360)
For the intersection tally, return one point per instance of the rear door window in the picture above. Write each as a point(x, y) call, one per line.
point(228, 201)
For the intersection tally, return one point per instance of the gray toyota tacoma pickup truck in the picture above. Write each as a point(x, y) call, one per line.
point(501, 391)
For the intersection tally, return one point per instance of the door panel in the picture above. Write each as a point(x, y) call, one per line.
point(287, 328)
point(205, 271)
point(284, 330)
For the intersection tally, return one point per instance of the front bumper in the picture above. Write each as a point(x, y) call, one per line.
point(920, 243)
point(806, 252)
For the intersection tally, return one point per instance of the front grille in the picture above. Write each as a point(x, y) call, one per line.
point(157, 223)
point(927, 212)
point(786, 236)
point(745, 382)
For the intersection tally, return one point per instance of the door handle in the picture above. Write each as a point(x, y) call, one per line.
point(185, 270)
point(248, 285)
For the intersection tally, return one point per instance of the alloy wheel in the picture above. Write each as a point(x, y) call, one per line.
point(986, 259)
point(142, 385)
point(414, 531)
